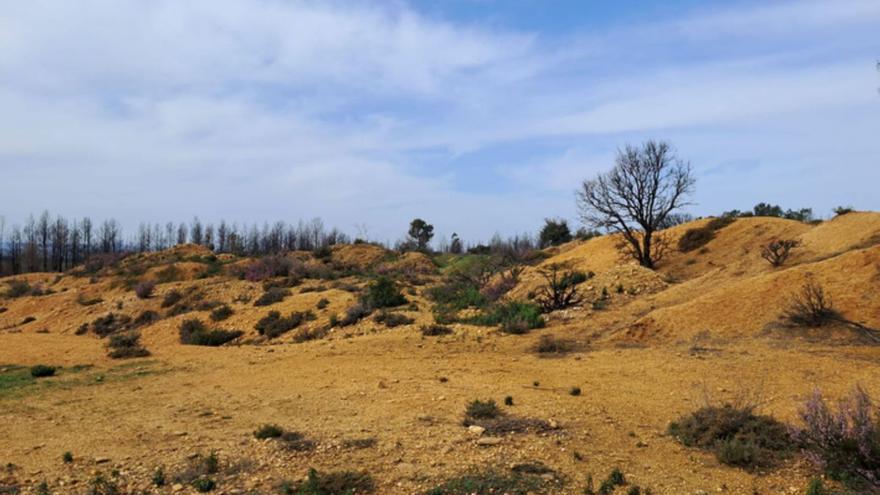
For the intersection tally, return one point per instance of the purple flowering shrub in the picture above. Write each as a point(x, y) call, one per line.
point(844, 443)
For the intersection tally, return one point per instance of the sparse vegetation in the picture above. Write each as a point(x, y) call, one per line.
point(491, 481)
point(383, 293)
point(144, 290)
point(478, 409)
point(43, 371)
point(323, 303)
point(126, 345)
point(777, 251)
point(268, 431)
point(392, 320)
point(274, 325)
point(272, 296)
point(331, 483)
point(435, 330)
point(735, 435)
point(221, 313)
point(513, 317)
point(554, 233)
point(171, 298)
point(810, 307)
point(560, 290)
point(110, 324)
point(550, 345)
point(844, 443)
point(194, 332)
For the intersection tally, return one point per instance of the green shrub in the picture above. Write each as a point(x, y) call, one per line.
point(42, 371)
point(383, 293)
point(488, 482)
point(194, 332)
point(355, 313)
point(435, 330)
point(221, 313)
point(171, 298)
point(514, 317)
point(109, 324)
point(67, 457)
point(268, 431)
point(147, 317)
point(735, 434)
point(392, 320)
point(126, 345)
point(478, 409)
point(274, 325)
point(159, 477)
point(272, 296)
point(333, 483)
point(204, 485)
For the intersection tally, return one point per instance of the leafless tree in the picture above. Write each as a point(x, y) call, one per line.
point(635, 199)
point(777, 251)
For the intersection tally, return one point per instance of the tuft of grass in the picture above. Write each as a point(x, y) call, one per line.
point(43, 371)
point(272, 296)
point(221, 313)
point(514, 317)
point(435, 330)
point(194, 332)
point(735, 435)
point(268, 431)
point(478, 409)
point(490, 481)
point(331, 483)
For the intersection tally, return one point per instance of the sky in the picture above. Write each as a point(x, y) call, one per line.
point(480, 116)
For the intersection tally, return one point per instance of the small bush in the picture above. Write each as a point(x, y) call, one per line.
point(695, 238)
point(274, 325)
point(383, 293)
point(221, 313)
point(84, 300)
point(810, 307)
point(323, 303)
point(777, 251)
point(508, 401)
point(575, 391)
point(478, 409)
point(126, 345)
point(194, 332)
point(435, 330)
point(844, 443)
point(171, 298)
point(159, 477)
point(341, 482)
point(28, 319)
point(42, 371)
point(560, 290)
point(67, 457)
point(514, 317)
point(272, 296)
point(204, 485)
point(355, 314)
point(843, 210)
point(491, 481)
point(549, 345)
point(268, 267)
point(109, 324)
point(18, 288)
point(736, 435)
point(146, 318)
point(268, 431)
point(144, 290)
point(392, 320)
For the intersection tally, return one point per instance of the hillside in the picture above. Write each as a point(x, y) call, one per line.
point(705, 322)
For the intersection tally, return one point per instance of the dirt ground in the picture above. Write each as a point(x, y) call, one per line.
point(124, 419)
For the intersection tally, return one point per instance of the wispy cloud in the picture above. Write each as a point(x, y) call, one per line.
point(371, 112)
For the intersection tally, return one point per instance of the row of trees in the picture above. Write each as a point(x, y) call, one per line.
point(45, 243)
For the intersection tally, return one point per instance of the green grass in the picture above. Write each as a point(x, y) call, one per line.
point(16, 381)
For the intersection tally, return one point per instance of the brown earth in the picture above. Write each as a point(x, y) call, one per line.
point(705, 324)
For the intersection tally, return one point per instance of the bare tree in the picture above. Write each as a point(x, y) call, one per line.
point(777, 251)
point(635, 199)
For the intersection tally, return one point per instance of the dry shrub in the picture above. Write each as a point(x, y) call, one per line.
point(550, 345)
point(144, 290)
point(777, 251)
point(272, 296)
point(810, 307)
point(126, 345)
point(435, 330)
point(560, 290)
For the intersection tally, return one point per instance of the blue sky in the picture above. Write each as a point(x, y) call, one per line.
point(478, 115)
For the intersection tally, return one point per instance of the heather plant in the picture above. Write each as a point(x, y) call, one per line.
point(844, 443)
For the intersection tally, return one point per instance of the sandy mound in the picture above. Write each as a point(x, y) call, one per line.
point(361, 257)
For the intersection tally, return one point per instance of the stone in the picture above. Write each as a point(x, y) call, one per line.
point(476, 430)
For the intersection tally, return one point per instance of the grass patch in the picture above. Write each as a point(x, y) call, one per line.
point(194, 332)
point(491, 482)
point(735, 435)
point(331, 483)
point(513, 317)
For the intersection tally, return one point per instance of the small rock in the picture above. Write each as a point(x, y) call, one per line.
point(476, 430)
point(102, 460)
point(177, 487)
